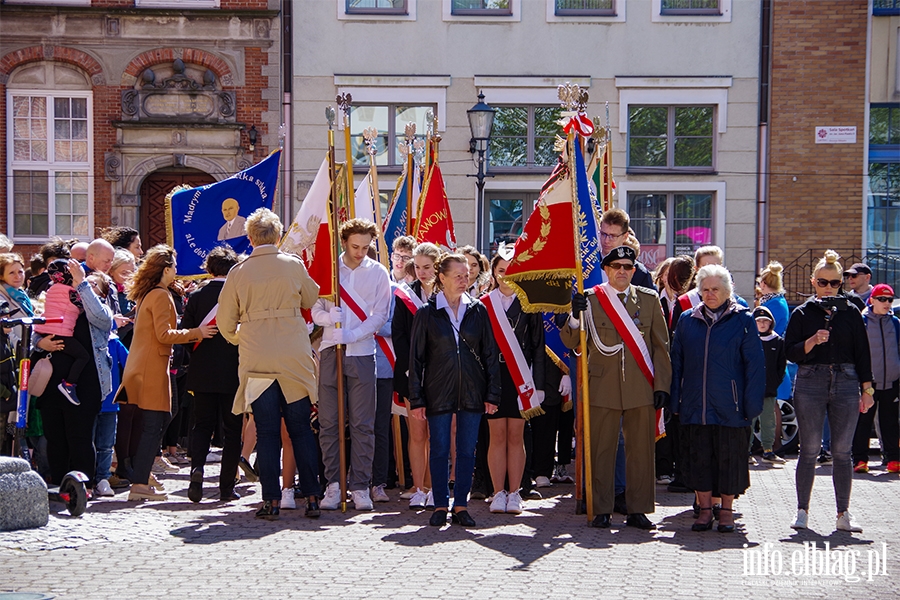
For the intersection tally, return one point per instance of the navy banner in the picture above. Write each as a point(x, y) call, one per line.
point(199, 219)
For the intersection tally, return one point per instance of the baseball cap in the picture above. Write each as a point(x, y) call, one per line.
point(882, 289)
point(858, 268)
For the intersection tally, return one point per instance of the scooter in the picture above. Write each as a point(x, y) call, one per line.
point(72, 490)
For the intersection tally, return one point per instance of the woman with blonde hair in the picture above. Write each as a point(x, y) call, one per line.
point(146, 378)
point(771, 285)
point(827, 338)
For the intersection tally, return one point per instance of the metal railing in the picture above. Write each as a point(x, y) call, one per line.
point(885, 269)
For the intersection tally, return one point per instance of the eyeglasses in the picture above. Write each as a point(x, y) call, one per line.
point(850, 275)
point(400, 258)
point(835, 283)
point(618, 266)
point(883, 299)
point(610, 236)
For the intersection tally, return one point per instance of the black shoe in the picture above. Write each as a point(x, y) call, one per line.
point(312, 509)
point(619, 504)
point(438, 518)
point(696, 509)
point(640, 521)
point(725, 528)
point(702, 526)
point(462, 518)
point(716, 508)
point(249, 472)
point(601, 521)
point(195, 489)
point(268, 511)
point(227, 496)
point(677, 487)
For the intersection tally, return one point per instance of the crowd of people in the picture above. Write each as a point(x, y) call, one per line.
point(150, 371)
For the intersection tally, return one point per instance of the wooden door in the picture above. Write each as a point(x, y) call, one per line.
point(154, 190)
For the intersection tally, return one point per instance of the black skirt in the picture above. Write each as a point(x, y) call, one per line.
point(714, 458)
point(509, 397)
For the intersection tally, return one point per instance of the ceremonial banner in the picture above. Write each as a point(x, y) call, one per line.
point(589, 223)
point(602, 177)
point(543, 265)
point(395, 221)
point(199, 219)
point(558, 353)
point(310, 235)
point(434, 222)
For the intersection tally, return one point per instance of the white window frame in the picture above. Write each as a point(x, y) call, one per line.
point(716, 188)
point(666, 91)
point(417, 91)
point(515, 16)
point(656, 15)
point(49, 165)
point(51, 2)
point(619, 17)
point(188, 4)
point(343, 15)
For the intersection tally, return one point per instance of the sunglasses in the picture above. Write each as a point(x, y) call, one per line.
point(883, 299)
point(850, 275)
point(618, 266)
point(835, 283)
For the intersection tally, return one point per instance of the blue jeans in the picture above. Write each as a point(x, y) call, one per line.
point(268, 411)
point(821, 388)
point(439, 460)
point(104, 440)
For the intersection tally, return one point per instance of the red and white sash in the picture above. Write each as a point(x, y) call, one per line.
point(406, 295)
point(355, 304)
point(209, 319)
point(512, 354)
point(689, 300)
point(631, 337)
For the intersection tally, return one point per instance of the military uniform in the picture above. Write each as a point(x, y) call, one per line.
point(620, 391)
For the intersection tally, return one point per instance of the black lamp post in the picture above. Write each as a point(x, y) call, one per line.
point(481, 122)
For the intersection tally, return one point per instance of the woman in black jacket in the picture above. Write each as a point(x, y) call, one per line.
point(453, 369)
point(826, 337)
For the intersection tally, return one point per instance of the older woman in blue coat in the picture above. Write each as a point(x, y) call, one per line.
point(718, 383)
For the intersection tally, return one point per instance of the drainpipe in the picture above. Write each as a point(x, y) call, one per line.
point(287, 155)
point(762, 178)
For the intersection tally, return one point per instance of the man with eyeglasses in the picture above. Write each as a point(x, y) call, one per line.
point(402, 253)
point(614, 227)
point(858, 280)
point(630, 376)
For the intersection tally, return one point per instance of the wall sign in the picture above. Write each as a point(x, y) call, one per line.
point(835, 135)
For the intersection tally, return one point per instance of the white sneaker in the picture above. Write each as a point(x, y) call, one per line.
point(561, 475)
point(802, 520)
point(361, 499)
point(498, 504)
point(103, 488)
point(845, 522)
point(542, 482)
point(417, 500)
point(407, 493)
point(332, 499)
point(287, 500)
point(214, 457)
point(429, 500)
point(379, 495)
point(161, 465)
point(513, 503)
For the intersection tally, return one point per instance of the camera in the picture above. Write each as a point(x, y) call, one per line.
point(834, 303)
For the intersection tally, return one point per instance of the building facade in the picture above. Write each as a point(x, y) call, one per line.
point(108, 104)
point(681, 79)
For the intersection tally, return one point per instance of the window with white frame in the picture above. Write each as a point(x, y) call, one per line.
point(505, 215)
point(671, 138)
point(690, 7)
point(580, 8)
point(376, 7)
point(670, 223)
point(49, 166)
point(524, 137)
point(176, 3)
point(53, 2)
point(390, 121)
point(481, 7)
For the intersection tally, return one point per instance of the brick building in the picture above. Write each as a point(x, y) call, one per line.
point(107, 104)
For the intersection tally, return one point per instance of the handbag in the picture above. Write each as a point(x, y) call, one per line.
point(41, 371)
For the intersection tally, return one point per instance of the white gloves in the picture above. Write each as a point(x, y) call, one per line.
point(565, 385)
point(344, 336)
point(538, 397)
point(336, 315)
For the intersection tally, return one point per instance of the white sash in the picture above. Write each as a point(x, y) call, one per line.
point(627, 330)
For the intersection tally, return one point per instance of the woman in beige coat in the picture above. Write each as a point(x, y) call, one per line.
point(146, 378)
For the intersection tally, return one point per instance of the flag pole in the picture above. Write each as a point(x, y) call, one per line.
point(370, 136)
point(429, 131)
point(410, 166)
point(344, 102)
point(336, 286)
point(575, 99)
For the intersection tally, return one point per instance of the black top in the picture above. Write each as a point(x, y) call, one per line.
point(214, 363)
point(401, 326)
point(847, 342)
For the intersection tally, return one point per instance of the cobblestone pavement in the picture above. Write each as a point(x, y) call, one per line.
point(214, 550)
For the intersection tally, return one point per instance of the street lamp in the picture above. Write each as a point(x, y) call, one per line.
point(481, 122)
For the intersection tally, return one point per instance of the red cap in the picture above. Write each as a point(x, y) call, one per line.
point(882, 289)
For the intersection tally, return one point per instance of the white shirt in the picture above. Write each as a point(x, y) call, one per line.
point(370, 282)
point(455, 320)
point(506, 301)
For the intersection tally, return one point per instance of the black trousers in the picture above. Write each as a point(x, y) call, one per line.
point(544, 428)
point(128, 436)
point(69, 430)
point(887, 410)
point(208, 409)
point(154, 424)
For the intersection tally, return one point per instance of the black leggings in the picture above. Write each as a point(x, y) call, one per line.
point(80, 358)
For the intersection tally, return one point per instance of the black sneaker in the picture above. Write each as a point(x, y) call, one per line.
point(824, 457)
point(269, 512)
point(771, 457)
point(195, 489)
point(68, 390)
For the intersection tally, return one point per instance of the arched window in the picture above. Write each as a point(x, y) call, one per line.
point(49, 160)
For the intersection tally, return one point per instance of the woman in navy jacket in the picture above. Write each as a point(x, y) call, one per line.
point(718, 382)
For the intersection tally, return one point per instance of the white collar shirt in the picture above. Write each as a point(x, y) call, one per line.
point(455, 320)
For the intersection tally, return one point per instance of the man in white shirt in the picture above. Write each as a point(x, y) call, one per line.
point(365, 304)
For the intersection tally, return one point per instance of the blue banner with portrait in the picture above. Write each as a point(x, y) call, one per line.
point(199, 219)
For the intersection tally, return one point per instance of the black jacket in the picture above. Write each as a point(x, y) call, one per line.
point(449, 376)
point(214, 364)
point(401, 326)
point(776, 362)
point(848, 341)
